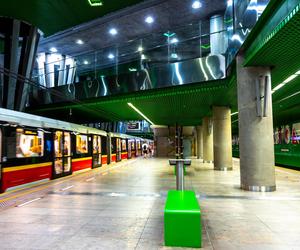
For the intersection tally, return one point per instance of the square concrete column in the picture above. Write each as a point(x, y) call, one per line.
point(222, 138)
point(199, 142)
point(255, 128)
point(207, 131)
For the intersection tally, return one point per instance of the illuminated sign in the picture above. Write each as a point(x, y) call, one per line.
point(133, 126)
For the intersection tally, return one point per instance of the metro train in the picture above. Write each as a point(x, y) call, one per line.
point(286, 145)
point(34, 148)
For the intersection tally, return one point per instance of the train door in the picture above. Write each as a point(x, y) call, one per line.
point(104, 150)
point(129, 149)
point(62, 154)
point(119, 150)
point(138, 148)
point(124, 149)
point(113, 149)
point(97, 157)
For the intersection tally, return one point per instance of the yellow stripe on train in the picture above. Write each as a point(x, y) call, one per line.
point(82, 159)
point(24, 167)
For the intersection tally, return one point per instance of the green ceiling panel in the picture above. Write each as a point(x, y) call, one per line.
point(52, 16)
point(185, 105)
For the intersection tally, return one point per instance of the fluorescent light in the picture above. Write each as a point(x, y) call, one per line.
point(279, 86)
point(79, 41)
point(111, 56)
point(132, 69)
point(85, 62)
point(290, 78)
point(53, 50)
point(113, 31)
point(138, 111)
point(287, 80)
point(174, 40)
point(235, 113)
point(143, 57)
point(95, 3)
point(196, 5)
point(140, 49)
point(149, 19)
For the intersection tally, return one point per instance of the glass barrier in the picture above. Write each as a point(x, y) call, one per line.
point(195, 52)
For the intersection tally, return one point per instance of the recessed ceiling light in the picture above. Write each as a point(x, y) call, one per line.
point(85, 62)
point(111, 56)
point(196, 5)
point(140, 49)
point(113, 31)
point(79, 41)
point(174, 40)
point(149, 19)
point(143, 57)
point(53, 49)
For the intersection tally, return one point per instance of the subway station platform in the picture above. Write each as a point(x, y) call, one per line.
point(121, 207)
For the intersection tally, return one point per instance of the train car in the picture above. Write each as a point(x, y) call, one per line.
point(35, 148)
point(87, 150)
point(286, 145)
point(123, 146)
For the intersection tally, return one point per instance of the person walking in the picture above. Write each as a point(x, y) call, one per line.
point(145, 150)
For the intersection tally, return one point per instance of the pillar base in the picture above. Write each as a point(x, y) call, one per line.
point(223, 169)
point(258, 188)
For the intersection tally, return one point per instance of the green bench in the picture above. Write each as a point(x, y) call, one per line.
point(182, 220)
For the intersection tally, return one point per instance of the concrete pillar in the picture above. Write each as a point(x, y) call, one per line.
point(208, 155)
point(222, 138)
point(255, 130)
point(199, 142)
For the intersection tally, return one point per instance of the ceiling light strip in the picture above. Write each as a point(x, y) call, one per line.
point(139, 112)
point(290, 78)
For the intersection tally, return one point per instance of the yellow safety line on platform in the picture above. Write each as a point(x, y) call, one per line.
point(81, 159)
point(30, 166)
point(124, 153)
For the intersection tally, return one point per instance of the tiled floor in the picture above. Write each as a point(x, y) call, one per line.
point(124, 210)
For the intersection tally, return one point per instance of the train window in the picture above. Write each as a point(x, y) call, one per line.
point(67, 144)
point(29, 143)
point(132, 145)
point(81, 144)
point(58, 165)
point(96, 144)
point(58, 144)
point(118, 144)
point(124, 148)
